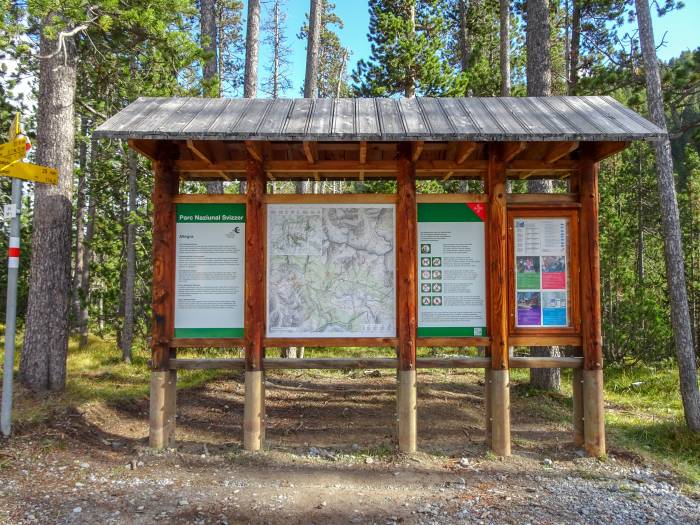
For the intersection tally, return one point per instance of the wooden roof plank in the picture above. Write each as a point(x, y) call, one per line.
point(343, 117)
point(367, 120)
point(321, 118)
point(476, 119)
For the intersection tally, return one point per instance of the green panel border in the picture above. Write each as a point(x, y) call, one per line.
point(206, 333)
point(446, 212)
point(185, 212)
point(447, 331)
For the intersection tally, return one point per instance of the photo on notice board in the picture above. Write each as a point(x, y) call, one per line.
point(553, 272)
point(554, 309)
point(528, 272)
point(529, 309)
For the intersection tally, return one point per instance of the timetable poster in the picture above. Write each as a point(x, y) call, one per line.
point(541, 272)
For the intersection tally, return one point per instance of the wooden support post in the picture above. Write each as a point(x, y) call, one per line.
point(487, 404)
point(254, 329)
point(497, 225)
point(162, 409)
point(593, 417)
point(162, 405)
point(500, 410)
point(577, 402)
point(407, 256)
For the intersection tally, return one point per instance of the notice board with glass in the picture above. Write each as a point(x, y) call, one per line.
point(544, 268)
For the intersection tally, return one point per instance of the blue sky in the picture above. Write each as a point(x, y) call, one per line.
point(680, 29)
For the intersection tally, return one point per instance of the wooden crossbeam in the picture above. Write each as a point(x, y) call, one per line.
point(254, 150)
point(147, 148)
point(464, 150)
point(202, 151)
point(512, 150)
point(423, 166)
point(310, 151)
point(559, 150)
point(416, 149)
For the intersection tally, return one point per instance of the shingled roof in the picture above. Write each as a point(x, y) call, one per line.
point(482, 119)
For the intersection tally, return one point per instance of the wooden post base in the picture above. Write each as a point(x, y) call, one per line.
point(253, 411)
point(162, 409)
point(487, 403)
point(593, 413)
point(500, 412)
point(407, 390)
point(577, 402)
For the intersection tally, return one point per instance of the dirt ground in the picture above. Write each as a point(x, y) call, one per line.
point(329, 459)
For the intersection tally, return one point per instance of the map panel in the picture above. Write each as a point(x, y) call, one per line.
point(331, 270)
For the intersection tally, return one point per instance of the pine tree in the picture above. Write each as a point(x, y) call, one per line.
point(332, 55)
point(408, 52)
point(277, 81)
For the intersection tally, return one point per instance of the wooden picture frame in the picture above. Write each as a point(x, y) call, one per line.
point(542, 335)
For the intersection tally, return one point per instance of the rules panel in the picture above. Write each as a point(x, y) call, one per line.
point(451, 269)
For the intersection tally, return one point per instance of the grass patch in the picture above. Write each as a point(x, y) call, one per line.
point(645, 415)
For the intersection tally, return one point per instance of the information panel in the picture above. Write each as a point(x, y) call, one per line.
point(541, 272)
point(331, 270)
point(451, 270)
point(209, 270)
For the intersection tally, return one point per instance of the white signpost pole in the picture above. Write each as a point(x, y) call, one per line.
point(11, 309)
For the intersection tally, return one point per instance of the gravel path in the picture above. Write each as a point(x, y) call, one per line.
point(324, 486)
point(330, 461)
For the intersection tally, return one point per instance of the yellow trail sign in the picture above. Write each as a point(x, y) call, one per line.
point(26, 171)
point(12, 151)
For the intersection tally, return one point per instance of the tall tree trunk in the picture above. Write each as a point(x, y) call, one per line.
point(43, 361)
point(130, 277)
point(79, 224)
point(504, 19)
point(312, 48)
point(539, 55)
point(252, 43)
point(276, 51)
point(83, 316)
point(539, 80)
point(410, 81)
point(464, 51)
point(575, 53)
point(673, 248)
point(211, 80)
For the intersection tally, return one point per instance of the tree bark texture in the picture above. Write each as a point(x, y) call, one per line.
point(43, 360)
point(252, 43)
point(575, 52)
point(539, 80)
point(464, 54)
point(312, 48)
point(79, 225)
point(130, 274)
point(83, 315)
point(673, 248)
point(504, 18)
point(211, 80)
point(410, 82)
point(539, 56)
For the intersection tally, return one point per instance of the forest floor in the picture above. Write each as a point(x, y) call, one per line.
point(82, 457)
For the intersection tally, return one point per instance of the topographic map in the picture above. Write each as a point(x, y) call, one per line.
point(331, 270)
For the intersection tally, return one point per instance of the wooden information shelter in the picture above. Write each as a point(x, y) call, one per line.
point(488, 140)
